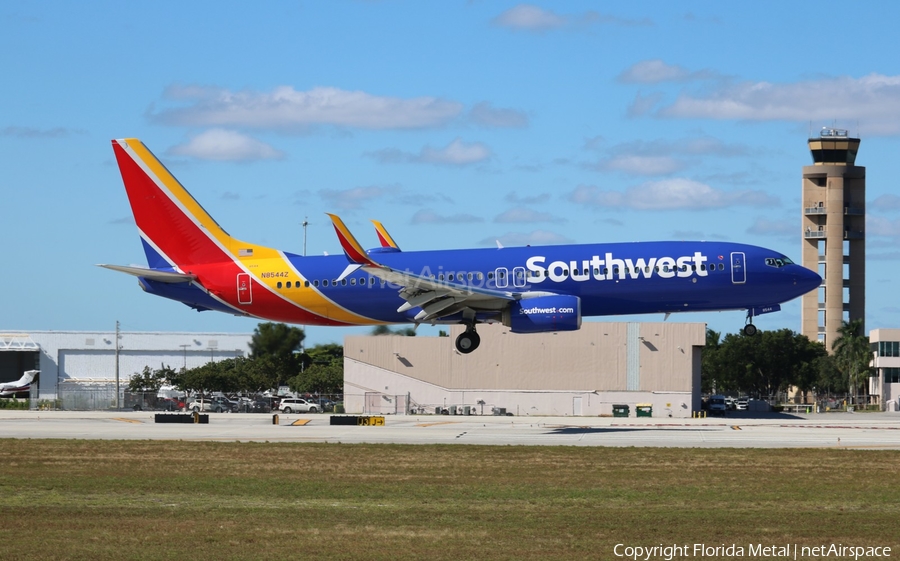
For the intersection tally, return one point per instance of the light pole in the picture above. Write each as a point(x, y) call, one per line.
point(184, 349)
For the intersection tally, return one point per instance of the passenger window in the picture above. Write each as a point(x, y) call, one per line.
point(315, 283)
point(344, 282)
point(352, 282)
point(325, 282)
point(306, 284)
point(279, 284)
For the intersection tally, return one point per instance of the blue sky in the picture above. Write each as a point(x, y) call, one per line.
point(454, 123)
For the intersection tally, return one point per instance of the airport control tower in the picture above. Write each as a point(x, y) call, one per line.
point(834, 243)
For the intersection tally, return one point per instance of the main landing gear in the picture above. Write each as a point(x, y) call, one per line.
point(468, 340)
point(749, 330)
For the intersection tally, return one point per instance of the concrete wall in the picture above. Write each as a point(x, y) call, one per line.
point(582, 372)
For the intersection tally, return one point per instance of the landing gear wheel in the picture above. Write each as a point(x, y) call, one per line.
point(750, 330)
point(467, 341)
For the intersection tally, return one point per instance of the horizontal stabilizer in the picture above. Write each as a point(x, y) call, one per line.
point(152, 274)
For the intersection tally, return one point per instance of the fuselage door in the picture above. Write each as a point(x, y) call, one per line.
point(738, 268)
point(501, 277)
point(519, 277)
point(245, 294)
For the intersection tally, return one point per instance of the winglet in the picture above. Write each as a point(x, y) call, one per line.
point(354, 252)
point(383, 237)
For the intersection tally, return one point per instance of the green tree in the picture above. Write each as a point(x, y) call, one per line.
point(710, 371)
point(323, 373)
point(386, 330)
point(765, 364)
point(151, 380)
point(829, 379)
point(853, 356)
point(276, 339)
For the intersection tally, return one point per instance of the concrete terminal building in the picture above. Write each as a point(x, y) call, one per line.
point(834, 243)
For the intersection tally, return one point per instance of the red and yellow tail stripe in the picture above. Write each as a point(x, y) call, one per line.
point(352, 249)
point(383, 237)
point(179, 228)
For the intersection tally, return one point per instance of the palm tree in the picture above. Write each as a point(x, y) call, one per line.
point(852, 354)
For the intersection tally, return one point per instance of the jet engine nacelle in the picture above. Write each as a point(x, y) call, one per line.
point(544, 313)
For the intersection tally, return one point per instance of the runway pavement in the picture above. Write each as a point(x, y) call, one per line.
point(846, 430)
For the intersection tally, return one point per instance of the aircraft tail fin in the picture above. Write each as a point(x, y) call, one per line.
point(176, 231)
point(384, 237)
point(354, 252)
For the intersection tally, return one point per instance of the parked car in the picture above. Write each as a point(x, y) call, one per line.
point(253, 406)
point(717, 405)
point(215, 404)
point(298, 405)
point(171, 404)
point(742, 403)
point(325, 404)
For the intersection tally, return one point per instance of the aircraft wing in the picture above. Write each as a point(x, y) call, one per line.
point(152, 274)
point(436, 298)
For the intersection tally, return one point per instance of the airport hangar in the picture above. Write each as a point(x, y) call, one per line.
point(584, 372)
point(86, 360)
point(574, 373)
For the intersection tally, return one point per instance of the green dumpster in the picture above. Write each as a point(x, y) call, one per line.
point(620, 410)
point(644, 409)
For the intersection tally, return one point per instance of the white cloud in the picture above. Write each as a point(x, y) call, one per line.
point(657, 71)
point(486, 115)
point(535, 237)
point(430, 217)
point(670, 194)
point(285, 108)
point(642, 165)
point(355, 198)
point(526, 215)
point(31, 132)
point(880, 226)
point(884, 203)
point(652, 72)
point(225, 145)
point(457, 153)
point(530, 18)
point(873, 101)
point(768, 227)
point(659, 157)
point(515, 198)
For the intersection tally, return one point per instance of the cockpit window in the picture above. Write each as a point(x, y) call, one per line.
point(778, 262)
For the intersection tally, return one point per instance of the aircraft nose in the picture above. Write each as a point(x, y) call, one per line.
point(806, 280)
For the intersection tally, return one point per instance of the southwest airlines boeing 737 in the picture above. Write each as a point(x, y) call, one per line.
point(529, 289)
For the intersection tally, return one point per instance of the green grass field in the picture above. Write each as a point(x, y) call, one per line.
point(63, 499)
